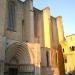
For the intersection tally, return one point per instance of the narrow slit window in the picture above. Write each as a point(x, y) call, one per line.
point(11, 15)
point(47, 57)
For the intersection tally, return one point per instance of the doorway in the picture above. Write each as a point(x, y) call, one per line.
point(13, 71)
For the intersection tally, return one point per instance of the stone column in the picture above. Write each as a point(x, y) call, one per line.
point(2, 54)
point(37, 70)
point(3, 8)
point(61, 38)
point(60, 28)
point(3, 4)
point(29, 21)
point(1, 67)
point(47, 28)
point(37, 59)
point(61, 66)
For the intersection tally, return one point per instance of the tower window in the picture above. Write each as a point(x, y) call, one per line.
point(47, 57)
point(56, 58)
point(11, 15)
point(65, 59)
point(72, 48)
point(22, 22)
point(63, 49)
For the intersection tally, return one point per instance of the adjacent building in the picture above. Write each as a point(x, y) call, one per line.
point(68, 50)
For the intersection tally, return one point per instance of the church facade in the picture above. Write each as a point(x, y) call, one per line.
point(29, 40)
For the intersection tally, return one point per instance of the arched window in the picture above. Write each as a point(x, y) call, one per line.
point(72, 48)
point(11, 15)
point(63, 49)
point(47, 57)
point(65, 59)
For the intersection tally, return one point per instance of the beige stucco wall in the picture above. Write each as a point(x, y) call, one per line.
point(69, 54)
point(71, 40)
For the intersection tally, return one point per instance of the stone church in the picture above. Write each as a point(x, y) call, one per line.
point(29, 40)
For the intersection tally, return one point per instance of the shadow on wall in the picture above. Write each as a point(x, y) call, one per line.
point(61, 61)
point(71, 73)
point(36, 71)
point(46, 70)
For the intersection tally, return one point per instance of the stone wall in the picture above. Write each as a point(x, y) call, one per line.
point(28, 17)
point(38, 27)
point(17, 33)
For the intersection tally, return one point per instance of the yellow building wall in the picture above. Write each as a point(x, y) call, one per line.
point(71, 40)
point(69, 54)
point(70, 64)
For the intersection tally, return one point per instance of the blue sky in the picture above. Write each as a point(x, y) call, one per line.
point(65, 8)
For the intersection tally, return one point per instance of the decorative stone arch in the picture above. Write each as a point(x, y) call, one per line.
point(19, 53)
